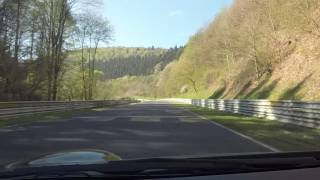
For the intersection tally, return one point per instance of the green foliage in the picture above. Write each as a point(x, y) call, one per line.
point(33, 42)
point(120, 72)
point(244, 43)
point(128, 86)
point(119, 62)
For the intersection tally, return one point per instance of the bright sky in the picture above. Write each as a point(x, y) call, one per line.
point(161, 23)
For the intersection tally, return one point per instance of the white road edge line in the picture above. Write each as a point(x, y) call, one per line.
point(235, 132)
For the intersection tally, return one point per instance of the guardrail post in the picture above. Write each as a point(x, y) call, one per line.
point(297, 112)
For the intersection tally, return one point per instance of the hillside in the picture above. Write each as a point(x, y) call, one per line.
point(121, 61)
point(118, 72)
point(253, 49)
point(257, 49)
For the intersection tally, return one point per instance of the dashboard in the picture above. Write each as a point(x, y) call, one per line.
point(297, 174)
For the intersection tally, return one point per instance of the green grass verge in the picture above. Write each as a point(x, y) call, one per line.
point(283, 136)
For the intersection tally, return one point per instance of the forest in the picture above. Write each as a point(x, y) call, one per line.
point(118, 72)
point(121, 62)
point(253, 49)
point(35, 39)
point(257, 49)
point(52, 50)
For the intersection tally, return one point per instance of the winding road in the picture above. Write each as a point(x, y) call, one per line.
point(143, 130)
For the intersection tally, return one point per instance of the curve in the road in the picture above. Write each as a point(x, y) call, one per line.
point(144, 130)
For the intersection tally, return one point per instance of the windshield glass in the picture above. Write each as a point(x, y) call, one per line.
point(90, 82)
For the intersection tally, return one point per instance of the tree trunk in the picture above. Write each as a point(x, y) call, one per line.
point(194, 84)
point(50, 51)
point(89, 68)
point(228, 67)
point(55, 86)
point(255, 58)
point(84, 88)
point(17, 35)
point(32, 39)
point(58, 61)
point(93, 69)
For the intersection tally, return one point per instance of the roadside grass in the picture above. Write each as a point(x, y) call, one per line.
point(47, 116)
point(144, 97)
point(201, 94)
point(283, 136)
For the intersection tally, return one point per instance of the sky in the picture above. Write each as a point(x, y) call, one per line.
point(158, 23)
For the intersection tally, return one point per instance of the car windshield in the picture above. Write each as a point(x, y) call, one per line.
point(88, 82)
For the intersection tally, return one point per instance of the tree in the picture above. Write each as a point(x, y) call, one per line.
point(100, 32)
point(56, 19)
point(91, 31)
point(34, 38)
point(80, 35)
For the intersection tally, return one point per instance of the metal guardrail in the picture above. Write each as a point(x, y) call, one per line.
point(9, 109)
point(296, 112)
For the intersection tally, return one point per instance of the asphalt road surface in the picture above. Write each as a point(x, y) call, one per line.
point(142, 130)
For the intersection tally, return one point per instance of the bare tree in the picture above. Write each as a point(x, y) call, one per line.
point(56, 18)
point(17, 34)
point(101, 34)
point(92, 31)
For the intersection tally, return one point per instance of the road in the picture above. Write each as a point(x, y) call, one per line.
point(141, 130)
